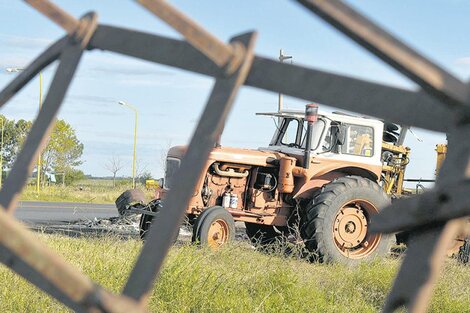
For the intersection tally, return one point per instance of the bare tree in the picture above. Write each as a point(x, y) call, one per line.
point(114, 165)
point(142, 172)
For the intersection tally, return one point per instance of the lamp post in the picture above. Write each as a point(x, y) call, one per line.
point(16, 70)
point(123, 103)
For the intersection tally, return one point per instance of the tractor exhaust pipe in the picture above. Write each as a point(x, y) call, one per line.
point(311, 116)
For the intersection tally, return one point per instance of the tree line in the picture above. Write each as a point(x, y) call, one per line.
point(61, 155)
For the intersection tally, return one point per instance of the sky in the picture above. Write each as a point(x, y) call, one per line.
point(170, 101)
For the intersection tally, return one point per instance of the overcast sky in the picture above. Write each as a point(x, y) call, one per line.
point(170, 100)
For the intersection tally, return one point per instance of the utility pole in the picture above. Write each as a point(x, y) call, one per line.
point(38, 180)
point(282, 57)
point(123, 103)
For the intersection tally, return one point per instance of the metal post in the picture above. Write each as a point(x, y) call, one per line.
point(135, 146)
point(282, 57)
point(123, 103)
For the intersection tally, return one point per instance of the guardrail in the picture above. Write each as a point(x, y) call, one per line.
point(442, 105)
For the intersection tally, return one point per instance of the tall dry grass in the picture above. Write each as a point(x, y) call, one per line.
point(234, 279)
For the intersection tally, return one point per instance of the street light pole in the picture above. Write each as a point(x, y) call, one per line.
point(38, 180)
point(123, 103)
point(38, 172)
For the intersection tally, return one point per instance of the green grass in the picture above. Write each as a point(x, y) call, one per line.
point(233, 279)
point(87, 191)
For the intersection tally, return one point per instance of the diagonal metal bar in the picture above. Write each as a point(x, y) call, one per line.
point(392, 104)
point(426, 250)
point(373, 99)
point(15, 263)
point(392, 51)
point(55, 14)
point(208, 130)
point(46, 58)
point(41, 128)
point(357, 95)
point(216, 50)
point(26, 255)
point(421, 267)
point(154, 48)
point(15, 181)
point(437, 205)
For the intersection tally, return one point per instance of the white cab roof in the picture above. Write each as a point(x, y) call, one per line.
point(336, 116)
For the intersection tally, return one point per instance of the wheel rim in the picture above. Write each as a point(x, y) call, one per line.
point(218, 233)
point(350, 229)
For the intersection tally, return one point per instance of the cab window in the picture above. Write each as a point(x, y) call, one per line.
point(290, 132)
point(317, 132)
point(326, 144)
point(359, 140)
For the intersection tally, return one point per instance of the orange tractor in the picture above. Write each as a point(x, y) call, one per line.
point(323, 174)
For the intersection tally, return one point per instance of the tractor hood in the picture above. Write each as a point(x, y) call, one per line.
point(233, 155)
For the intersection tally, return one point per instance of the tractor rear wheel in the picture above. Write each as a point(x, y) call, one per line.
point(214, 227)
point(334, 224)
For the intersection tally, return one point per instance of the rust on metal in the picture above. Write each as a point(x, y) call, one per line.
point(350, 229)
point(228, 56)
point(203, 140)
point(218, 233)
point(433, 218)
point(390, 49)
point(297, 81)
point(70, 54)
point(56, 14)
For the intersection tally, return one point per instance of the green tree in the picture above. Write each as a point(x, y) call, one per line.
point(63, 150)
point(70, 177)
point(14, 135)
point(62, 153)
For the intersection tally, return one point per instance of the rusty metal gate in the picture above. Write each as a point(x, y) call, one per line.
point(441, 105)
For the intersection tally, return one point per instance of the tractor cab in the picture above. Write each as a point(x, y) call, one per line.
point(332, 135)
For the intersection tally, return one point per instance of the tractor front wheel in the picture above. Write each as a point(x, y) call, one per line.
point(214, 227)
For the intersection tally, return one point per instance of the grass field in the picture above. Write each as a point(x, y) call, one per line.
point(234, 279)
point(86, 191)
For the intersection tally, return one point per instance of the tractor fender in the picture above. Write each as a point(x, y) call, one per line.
point(318, 181)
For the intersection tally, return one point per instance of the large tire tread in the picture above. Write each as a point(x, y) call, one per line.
point(315, 213)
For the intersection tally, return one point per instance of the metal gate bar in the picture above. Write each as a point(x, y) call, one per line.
point(391, 50)
point(208, 130)
point(446, 109)
point(297, 81)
